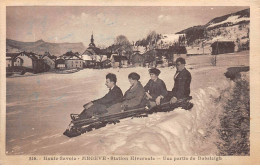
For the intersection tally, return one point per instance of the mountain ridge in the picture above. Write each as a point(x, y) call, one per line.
point(231, 27)
point(40, 47)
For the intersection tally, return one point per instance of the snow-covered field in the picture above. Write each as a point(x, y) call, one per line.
point(38, 108)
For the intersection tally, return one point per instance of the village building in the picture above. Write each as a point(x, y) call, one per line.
point(119, 61)
point(93, 56)
point(158, 57)
point(24, 59)
point(28, 61)
point(18, 61)
point(60, 63)
point(221, 47)
point(48, 59)
point(71, 61)
point(8, 61)
point(74, 62)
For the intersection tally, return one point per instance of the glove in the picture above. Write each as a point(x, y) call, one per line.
point(173, 100)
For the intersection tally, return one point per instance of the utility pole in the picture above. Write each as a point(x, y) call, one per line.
point(216, 54)
point(203, 46)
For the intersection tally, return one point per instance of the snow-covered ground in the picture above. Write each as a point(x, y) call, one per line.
point(38, 109)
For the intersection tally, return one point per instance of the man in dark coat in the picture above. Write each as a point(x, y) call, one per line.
point(100, 106)
point(182, 80)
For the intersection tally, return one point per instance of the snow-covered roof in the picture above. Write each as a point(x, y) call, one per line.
point(31, 55)
point(74, 57)
point(8, 58)
point(170, 38)
point(94, 57)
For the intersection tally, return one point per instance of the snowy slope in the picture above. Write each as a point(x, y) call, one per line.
point(232, 27)
point(231, 20)
point(38, 109)
point(242, 16)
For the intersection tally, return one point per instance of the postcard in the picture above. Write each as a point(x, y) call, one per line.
point(130, 82)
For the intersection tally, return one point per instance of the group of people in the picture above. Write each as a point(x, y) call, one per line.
point(152, 94)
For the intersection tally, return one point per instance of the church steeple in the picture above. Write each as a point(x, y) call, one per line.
point(92, 44)
point(92, 38)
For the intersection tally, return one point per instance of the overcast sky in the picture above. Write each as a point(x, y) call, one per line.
point(75, 24)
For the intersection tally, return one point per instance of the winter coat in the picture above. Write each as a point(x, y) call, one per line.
point(182, 82)
point(156, 88)
point(114, 96)
point(134, 95)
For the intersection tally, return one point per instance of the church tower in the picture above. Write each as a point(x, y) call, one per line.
point(92, 44)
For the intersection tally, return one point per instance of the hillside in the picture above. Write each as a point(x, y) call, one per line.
point(231, 27)
point(40, 47)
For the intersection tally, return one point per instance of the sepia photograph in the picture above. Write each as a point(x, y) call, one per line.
point(127, 83)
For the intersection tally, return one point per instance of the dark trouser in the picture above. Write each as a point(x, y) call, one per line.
point(95, 109)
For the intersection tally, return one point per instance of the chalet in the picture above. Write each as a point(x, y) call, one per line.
point(26, 60)
point(72, 60)
point(118, 61)
point(221, 47)
point(60, 63)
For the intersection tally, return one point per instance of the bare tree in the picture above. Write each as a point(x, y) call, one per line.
point(122, 40)
point(124, 47)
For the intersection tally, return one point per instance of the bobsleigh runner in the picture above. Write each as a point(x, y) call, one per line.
point(80, 126)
